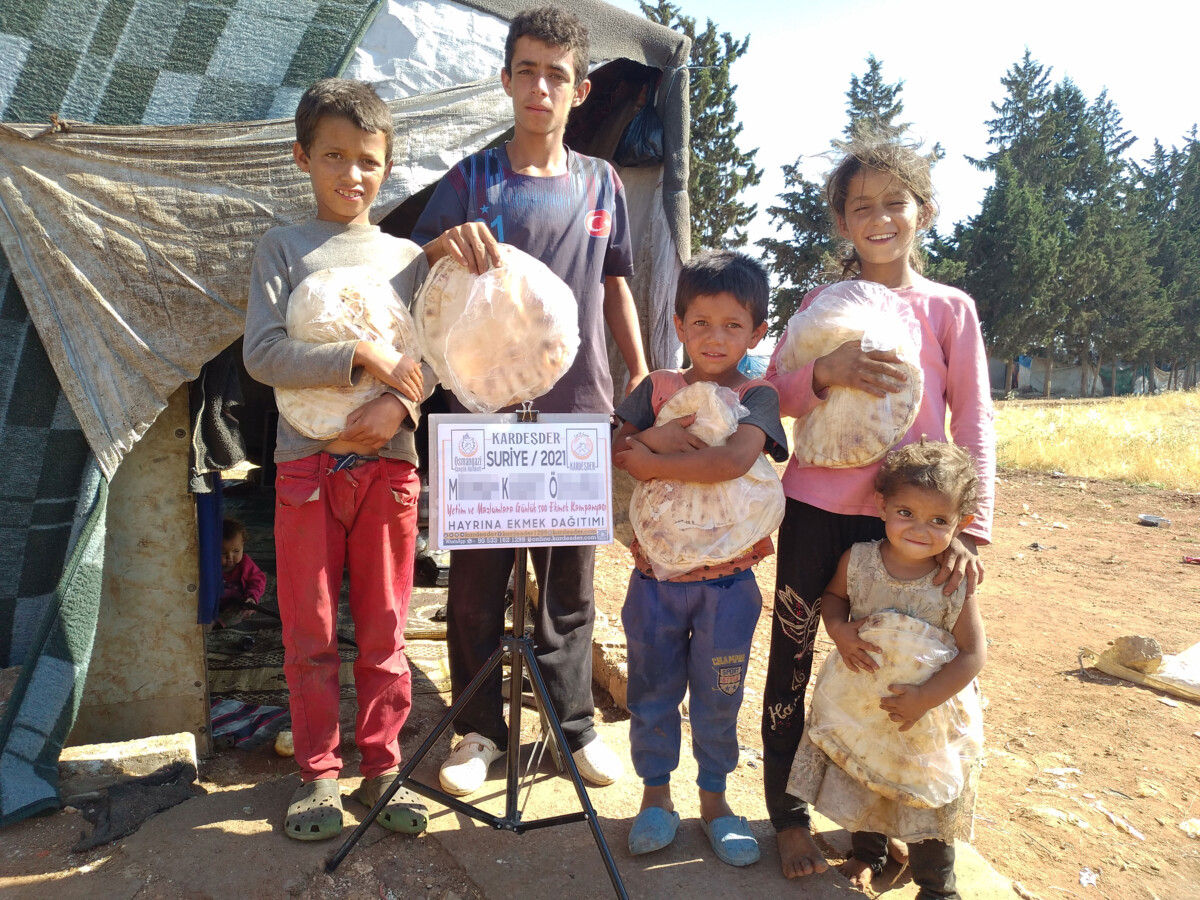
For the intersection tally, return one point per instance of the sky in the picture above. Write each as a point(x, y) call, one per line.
point(791, 84)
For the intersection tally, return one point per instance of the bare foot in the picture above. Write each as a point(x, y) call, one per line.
point(713, 805)
point(798, 853)
point(659, 796)
point(858, 873)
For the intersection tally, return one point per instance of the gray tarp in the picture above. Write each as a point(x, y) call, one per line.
point(133, 245)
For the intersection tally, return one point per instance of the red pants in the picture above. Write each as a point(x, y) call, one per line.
point(365, 520)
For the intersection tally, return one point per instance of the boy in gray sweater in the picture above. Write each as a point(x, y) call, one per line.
point(349, 502)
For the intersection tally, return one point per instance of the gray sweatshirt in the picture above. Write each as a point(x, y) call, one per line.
point(287, 255)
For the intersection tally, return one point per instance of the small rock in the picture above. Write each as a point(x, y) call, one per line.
point(1137, 652)
point(283, 744)
point(1191, 828)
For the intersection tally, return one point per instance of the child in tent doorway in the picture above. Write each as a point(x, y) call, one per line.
point(926, 495)
point(695, 629)
point(244, 580)
point(881, 196)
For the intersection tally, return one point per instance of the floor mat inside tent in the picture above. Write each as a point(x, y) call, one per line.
point(245, 661)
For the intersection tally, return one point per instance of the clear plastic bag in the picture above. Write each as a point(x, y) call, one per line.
point(926, 766)
point(683, 525)
point(499, 338)
point(334, 305)
point(852, 428)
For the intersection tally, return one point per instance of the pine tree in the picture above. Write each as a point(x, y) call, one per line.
point(805, 253)
point(1080, 282)
point(720, 171)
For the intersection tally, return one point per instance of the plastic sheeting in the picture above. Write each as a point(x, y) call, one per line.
point(428, 45)
point(132, 246)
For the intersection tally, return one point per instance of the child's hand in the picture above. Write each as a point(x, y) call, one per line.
point(853, 648)
point(472, 245)
point(849, 366)
point(671, 437)
point(374, 424)
point(959, 560)
point(906, 707)
point(637, 460)
point(392, 368)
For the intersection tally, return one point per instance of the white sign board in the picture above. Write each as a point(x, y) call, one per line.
point(498, 482)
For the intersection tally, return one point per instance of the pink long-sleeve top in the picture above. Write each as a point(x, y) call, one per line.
point(956, 379)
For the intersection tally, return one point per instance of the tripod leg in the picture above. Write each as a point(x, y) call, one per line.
point(539, 688)
point(494, 661)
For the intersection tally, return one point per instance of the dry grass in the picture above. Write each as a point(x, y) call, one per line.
point(1140, 440)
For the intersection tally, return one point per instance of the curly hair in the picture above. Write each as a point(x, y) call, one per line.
point(932, 466)
point(353, 100)
point(554, 26)
point(894, 156)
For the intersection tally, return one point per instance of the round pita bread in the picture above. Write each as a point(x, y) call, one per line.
point(335, 305)
point(852, 428)
point(682, 526)
point(499, 338)
point(926, 766)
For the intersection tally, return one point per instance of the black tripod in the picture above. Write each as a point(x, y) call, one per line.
point(519, 648)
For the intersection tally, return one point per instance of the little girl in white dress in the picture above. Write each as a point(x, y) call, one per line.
point(891, 750)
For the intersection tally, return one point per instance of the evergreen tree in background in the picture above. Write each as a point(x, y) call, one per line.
point(720, 171)
point(1170, 211)
point(1058, 258)
point(804, 255)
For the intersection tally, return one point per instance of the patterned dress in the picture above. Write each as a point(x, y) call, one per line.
point(816, 779)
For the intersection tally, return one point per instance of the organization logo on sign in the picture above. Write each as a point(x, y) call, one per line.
point(581, 445)
point(465, 447)
point(598, 222)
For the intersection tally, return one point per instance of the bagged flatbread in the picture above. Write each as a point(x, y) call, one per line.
point(926, 766)
point(683, 525)
point(851, 428)
point(499, 338)
point(334, 305)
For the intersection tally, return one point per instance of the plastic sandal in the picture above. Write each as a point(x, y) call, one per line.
point(405, 812)
point(315, 813)
point(731, 840)
point(653, 829)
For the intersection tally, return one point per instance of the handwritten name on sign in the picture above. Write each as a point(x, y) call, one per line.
point(499, 483)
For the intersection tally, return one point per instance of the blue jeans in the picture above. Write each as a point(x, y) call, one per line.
point(683, 635)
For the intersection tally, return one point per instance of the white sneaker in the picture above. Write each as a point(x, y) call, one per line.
point(597, 762)
point(465, 770)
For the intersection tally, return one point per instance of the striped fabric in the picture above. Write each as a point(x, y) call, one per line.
point(116, 62)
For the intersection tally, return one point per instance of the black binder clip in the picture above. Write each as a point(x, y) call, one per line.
point(526, 412)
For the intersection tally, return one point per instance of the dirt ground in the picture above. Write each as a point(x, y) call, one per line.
point(1069, 567)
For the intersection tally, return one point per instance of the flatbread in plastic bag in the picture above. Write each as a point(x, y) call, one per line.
point(852, 428)
point(683, 525)
point(926, 766)
point(342, 304)
point(499, 338)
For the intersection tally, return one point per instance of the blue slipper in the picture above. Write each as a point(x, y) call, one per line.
point(731, 840)
point(653, 829)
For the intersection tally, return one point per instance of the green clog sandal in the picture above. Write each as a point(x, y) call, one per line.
point(406, 812)
point(315, 813)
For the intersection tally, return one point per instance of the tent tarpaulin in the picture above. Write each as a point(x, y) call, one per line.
point(133, 245)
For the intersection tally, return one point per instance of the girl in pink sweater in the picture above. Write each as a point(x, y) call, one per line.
point(881, 196)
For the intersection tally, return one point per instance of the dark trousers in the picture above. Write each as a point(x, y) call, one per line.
point(562, 633)
point(811, 541)
point(932, 863)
